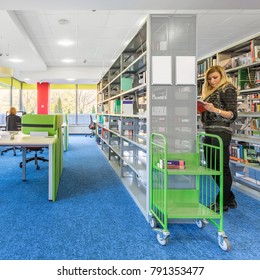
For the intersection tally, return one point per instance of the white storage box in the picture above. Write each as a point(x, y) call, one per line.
point(127, 107)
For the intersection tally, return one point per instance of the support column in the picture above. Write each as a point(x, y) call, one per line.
point(43, 98)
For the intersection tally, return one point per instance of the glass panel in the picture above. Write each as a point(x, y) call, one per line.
point(4, 101)
point(16, 94)
point(86, 105)
point(63, 101)
point(29, 101)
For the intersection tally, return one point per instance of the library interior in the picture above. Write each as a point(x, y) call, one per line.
point(130, 80)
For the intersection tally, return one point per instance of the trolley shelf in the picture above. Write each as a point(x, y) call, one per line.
point(191, 170)
point(190, 211)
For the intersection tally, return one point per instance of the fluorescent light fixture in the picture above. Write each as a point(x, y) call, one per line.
point(26, 79)
point(66, 43)
point(16, 60)
point(68, 60)
point(70, 79)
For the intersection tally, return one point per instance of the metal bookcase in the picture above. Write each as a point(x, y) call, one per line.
point(134, 100)
point(169, 200)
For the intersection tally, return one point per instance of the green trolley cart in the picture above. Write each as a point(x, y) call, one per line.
point(168, 201)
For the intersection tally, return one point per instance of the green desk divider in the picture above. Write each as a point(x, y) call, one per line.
point(39, 123)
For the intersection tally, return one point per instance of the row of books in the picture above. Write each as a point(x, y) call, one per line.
point(203, 66)
point(244, 153)
point(228, 60)
point(255, 107)
point(246, 79)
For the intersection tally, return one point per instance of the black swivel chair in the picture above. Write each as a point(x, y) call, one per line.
point(13, 123)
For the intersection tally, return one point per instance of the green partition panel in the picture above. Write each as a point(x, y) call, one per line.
point(39, 123)
point(53, 125)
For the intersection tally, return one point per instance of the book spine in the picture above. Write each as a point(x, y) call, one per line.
point(252, 50)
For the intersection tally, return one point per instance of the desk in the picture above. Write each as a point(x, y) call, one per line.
point(27, 141)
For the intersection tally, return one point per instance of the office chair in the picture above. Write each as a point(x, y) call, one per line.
point(92, 127)
point(35, 158)
point(13, 123)
point(38, 123)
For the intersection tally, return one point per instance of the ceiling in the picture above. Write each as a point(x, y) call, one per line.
point(100, 31)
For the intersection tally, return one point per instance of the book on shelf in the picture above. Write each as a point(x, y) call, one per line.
point(225, 60)
point(255, 49)
point(257, 53)
point(201, 106)
point(242, 79)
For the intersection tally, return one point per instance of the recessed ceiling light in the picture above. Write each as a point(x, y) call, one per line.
point(63, 21)
point(67, 60)
point(66, 43)
point(16, 60)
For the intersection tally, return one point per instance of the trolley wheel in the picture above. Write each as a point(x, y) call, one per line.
point(37, 167)
point(224, 243)
point(161, 240)
point(153, 222)
point(200, 223)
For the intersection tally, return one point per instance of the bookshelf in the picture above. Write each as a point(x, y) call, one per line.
point(242, 63)
point(131, 105)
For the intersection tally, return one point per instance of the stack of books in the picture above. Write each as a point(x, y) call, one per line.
point(173, 164)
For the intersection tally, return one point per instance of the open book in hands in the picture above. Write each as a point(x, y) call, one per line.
point(200, 106)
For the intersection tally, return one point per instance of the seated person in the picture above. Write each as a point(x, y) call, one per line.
point(13, 122)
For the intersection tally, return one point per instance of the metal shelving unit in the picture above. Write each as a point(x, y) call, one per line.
point(123, 130)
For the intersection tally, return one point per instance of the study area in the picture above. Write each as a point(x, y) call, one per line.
point(138, 74)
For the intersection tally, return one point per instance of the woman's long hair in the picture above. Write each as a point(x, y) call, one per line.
point(12, 111)
point(224, 81)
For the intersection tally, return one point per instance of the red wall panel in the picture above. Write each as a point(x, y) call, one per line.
point(43, 98)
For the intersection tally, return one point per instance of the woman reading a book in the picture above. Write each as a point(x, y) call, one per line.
point(220, 104)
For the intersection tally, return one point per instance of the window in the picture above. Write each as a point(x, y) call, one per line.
point(63, 101)
point(76, 101)
point(86, 104)
point(16, 90)
point(5, 100)
point(29, 99)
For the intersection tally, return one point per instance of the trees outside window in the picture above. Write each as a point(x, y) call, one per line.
point(78, 104)
point(86, 105)
point(4, 101)
point(29, 101)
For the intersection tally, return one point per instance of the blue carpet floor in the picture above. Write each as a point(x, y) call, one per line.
point(94, 217)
